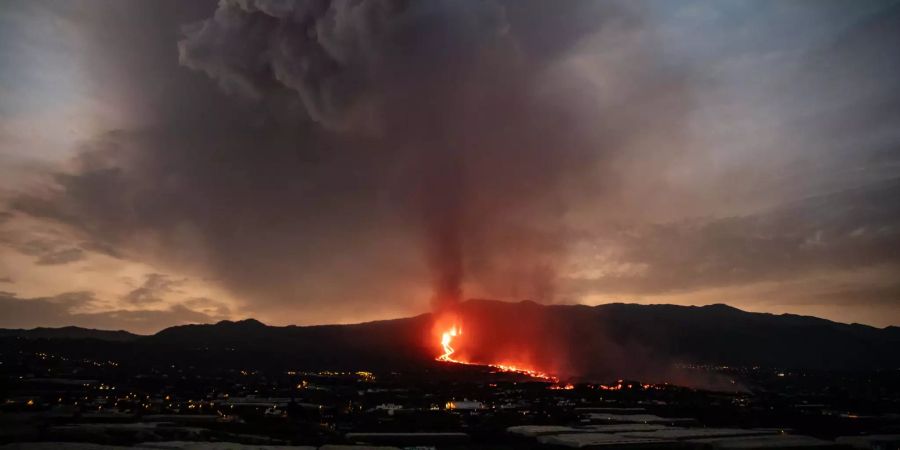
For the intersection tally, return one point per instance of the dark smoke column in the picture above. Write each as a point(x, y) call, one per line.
point(444, 90)
point(442, 208)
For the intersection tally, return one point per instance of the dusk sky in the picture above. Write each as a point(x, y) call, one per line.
point(306, 162)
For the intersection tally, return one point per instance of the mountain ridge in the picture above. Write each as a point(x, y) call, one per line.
point(616, 339)
point(73, 331)
point(69, 332)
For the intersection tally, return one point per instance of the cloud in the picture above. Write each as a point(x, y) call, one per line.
point(100, 247)
point(848, 230)
point(64, 256)
point(338, 57)
point(75, 299)
point(60, 311)
point(887, 294)
point(155, 288)
point(48, 251)
point(208, 306)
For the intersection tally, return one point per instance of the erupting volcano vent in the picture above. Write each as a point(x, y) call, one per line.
point(447, 345)
point(446, 340)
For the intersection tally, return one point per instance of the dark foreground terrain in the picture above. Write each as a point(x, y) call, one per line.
point(638, 377)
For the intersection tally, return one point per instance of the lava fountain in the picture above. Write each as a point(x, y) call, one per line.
point(447, 345)
point(446, 340)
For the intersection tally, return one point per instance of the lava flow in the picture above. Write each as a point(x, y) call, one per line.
point(446, 340)
point(454, 331)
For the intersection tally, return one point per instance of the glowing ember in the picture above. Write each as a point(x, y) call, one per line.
point(447, 356)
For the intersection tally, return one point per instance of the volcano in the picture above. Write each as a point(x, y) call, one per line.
point(566, 341)
point(647, 341)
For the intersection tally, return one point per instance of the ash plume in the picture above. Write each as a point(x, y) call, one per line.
point(459, 97)
point(339, 160)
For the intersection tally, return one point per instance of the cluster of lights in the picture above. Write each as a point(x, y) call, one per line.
point(365, 376)
point(620, 384)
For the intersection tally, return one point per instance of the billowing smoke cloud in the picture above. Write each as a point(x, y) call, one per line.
point(454, 94)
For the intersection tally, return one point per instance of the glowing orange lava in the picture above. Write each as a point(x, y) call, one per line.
point(446, 340)
point(447, 356)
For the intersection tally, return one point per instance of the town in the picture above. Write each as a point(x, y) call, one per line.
point(53, 398)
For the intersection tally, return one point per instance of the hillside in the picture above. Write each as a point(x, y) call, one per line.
point(581, 341)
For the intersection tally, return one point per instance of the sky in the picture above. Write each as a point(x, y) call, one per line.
point(305, 162)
